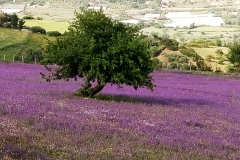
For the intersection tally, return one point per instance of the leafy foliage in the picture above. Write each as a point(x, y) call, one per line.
point(101, 50)
point(234, 54)
point(159, 43)
point(21, 23)
point(28, 17)
point(54, 33)
point(38, 29)
point(14, 21)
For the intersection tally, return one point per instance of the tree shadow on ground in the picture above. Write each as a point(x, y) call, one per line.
point(152, 100)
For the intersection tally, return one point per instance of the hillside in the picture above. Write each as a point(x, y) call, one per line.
point(16, 43)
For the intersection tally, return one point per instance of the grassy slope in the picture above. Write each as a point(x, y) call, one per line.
point(13, 42)
point(48, 25)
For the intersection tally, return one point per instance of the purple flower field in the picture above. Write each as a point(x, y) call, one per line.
point(187, 116)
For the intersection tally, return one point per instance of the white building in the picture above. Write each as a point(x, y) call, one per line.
point(185, 19)
point(13, 8)
point(130, 21)
point(173, 15)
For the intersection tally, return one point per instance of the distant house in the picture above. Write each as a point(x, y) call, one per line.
point(13, 8)
point(130, 21)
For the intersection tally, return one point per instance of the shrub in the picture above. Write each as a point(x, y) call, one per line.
point(173, 65)
point(212, 44)
point(171, 44)
point(38, 29)
point(54, 33)
point(184, 66)
point(157, 64)
point(32, 54)
point(39, 18)
point(182, 47)
point(200, 41)
point(188, 52)
point(193, 45)
point(7, 25)
point(28, 17)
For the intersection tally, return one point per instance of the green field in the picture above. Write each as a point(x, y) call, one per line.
point(14, 42)
point(210, 32)
point(215, 29)
point(204, 52)
point(48, 25)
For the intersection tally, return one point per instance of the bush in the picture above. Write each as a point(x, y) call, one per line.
point(189, 52)
point(157, 64)
point(182, 47)
point(173, 65)
point(28, 17)
point(39, 18)
point(193, 45)
point(200, 41)
point(32, 54)
point(38, 29)
point(184, 66)
point(7, 25)
point(171, 44)
point(54, 33)
point(212, 44)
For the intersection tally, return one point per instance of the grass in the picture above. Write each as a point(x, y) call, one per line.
point(215, 29)
point(14, 42)
point(48, 25)
point(204, 52)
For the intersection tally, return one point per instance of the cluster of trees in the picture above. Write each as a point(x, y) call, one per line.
point(11, 21)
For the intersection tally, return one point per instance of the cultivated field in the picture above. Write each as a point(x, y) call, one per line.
point(187, 116)
point(48, 25)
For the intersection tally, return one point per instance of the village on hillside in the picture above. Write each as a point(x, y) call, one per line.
point(163, 15)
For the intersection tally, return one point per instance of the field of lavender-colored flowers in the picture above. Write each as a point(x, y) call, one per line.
point(187, 116)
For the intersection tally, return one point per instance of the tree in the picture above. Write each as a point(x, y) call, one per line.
point(101, 50)
point(234, 54)
point(14, 21)
point(21, 23)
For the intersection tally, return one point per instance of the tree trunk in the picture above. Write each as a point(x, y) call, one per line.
point(97, 89)
point(88, 91)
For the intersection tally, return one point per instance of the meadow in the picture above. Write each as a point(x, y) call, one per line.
point(187, 116)
point(48, 25)
point(14, 42)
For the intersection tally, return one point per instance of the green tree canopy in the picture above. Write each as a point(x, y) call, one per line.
point(234, 54)
point(14, 21)
point(101, 50)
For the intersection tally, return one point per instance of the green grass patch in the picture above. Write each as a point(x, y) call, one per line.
point(48, 25)
point(215, 29)
point(14, 42)
point(204, 52)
